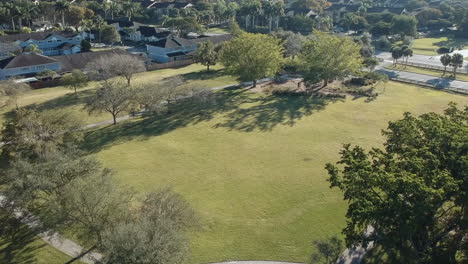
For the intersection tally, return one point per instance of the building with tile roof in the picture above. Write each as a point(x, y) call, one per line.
point(26, 64)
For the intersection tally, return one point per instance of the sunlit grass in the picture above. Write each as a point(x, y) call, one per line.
point(253, 165)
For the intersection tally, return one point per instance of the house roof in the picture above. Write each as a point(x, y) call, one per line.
point(66, 46)
point(122, 23)
point(24, 60)
point(147, 31)
point(80, 60)
point(176, 42)
point(35, 36)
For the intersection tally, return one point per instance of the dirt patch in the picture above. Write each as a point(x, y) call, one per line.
point(297, 86)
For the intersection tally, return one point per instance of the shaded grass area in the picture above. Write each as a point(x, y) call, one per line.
point(431, 72)
point(253, 164)
point(64, 99)
point(21, 246)
point(429, 46)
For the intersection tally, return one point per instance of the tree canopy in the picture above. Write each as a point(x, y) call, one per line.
point(413, 191)
point(326, 57)
point(252, 56)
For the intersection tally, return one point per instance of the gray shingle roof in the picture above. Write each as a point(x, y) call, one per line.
point(35, 36)
point(176, 42)
point(80, 60)
point(25, 60)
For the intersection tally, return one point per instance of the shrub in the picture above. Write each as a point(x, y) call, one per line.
point(444, 50)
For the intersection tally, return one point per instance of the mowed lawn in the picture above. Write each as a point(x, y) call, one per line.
point(24, 247)
point(64, 99)
point(431, 72)
point(34, 250)
point(253, 165)
point(429, 46)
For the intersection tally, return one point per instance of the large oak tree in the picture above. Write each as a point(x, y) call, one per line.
point(413, 191)
point(252, 56)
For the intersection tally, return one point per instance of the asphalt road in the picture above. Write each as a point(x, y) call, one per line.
point(441, 83)
point(429, 60)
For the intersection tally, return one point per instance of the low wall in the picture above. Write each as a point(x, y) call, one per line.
point(172, 64)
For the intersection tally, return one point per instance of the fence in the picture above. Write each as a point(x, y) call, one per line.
point(434, 67)
point(420, 83)
point(172, 64)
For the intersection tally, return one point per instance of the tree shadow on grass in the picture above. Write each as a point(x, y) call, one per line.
point(66, 100)
point(17, 241)
point(60, 102)
point(242, 111)
point(271, 111)
point(452, 42)
point(204, 75)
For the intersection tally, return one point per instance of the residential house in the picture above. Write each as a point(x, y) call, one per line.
point(122, 25)
point(79, 61)
point(29, 64)
point(50, 43)
point(147, 34)
point(26, 64)
point(177, 48)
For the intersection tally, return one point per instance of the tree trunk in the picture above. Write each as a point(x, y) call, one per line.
point(325, 83)
point(75, 91)
point(128, 81)
point(270, 22)
point(454, 72)
point(246, 22)
point(254, 83)
point(445, 69)
point(208, 67)
point(13, 23)
point(63, 19)
point(114, 118)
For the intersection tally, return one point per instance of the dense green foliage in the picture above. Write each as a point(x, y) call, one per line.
point(414, 191)
point(326, 57)
point(252, 56)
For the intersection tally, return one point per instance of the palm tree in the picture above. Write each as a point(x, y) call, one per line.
point(62, 6)
point(10, 11)
point(29, 11)
point(268, 11)
point(130, 8)
point(99, 23)
point(114, 7)
point(445, 59)
point(396, 54)
point(456, 62)
point(406, 52)
point(249, 10)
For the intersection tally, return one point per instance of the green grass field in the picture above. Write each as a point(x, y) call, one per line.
point(429, 46)
point(23, 247)
point(33, 251)
point(432, 72)
point(253, 165)
point(64, 99)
